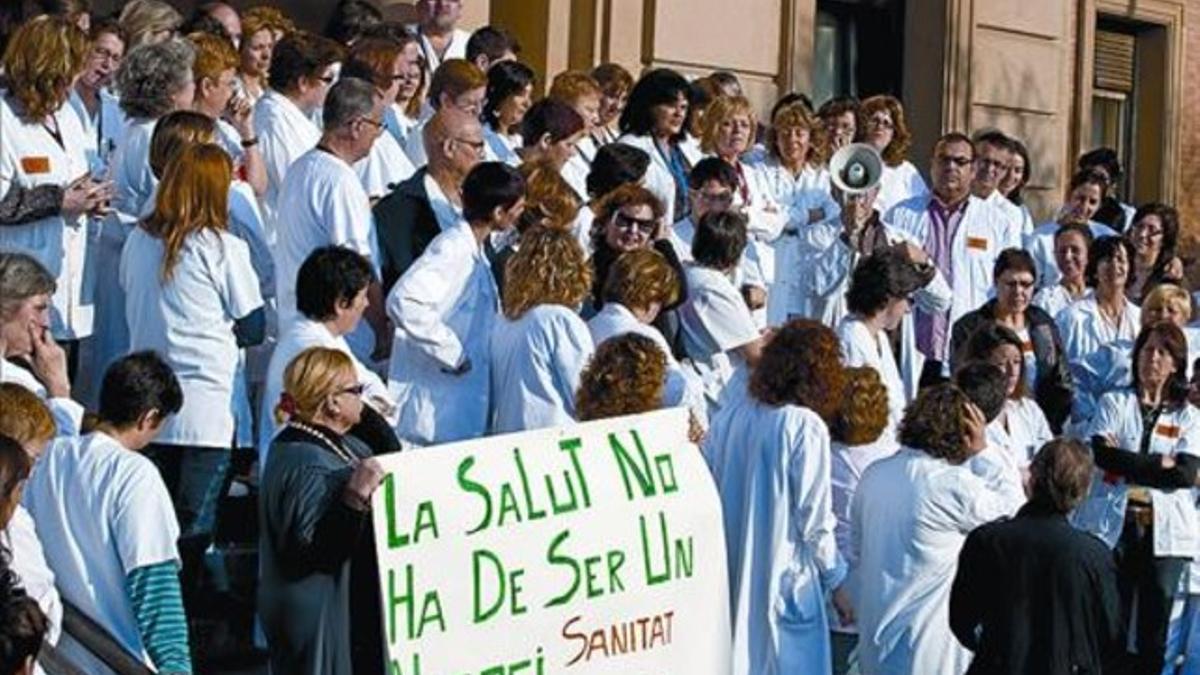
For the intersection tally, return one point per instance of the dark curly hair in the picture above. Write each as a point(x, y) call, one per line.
point(935, 423)
point(882, 276)
point(802, 365)
point(626, 376)
point(1103, 250)
point(22, 623)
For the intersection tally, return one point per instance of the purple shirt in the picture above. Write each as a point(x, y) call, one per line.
point(933, 330)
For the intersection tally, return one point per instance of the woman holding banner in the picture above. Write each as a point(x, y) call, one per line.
point(769, 452)
point(319, 594)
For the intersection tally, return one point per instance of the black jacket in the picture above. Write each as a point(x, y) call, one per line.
point(1035, 596)
point(1055, 387)
point(404, 225)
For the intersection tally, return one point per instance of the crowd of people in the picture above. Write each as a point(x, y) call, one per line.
point(950, 434)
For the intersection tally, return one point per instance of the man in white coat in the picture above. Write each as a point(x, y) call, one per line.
point(962, 235)
point(910, 516)
point(302, 71)
point(443, 308)
point(994, 154)
point(438, 33)
point(326, 203)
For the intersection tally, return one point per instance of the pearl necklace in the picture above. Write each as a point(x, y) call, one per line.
point(338, 450)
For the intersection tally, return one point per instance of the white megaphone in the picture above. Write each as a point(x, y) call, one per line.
point(856, 168)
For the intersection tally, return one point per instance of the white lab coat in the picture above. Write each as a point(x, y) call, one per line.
point(383, 167)
point(1054, 299)
point(683, 386)
point(799, 193)
point(1084, 330)
point(30, 157)
point(752, 270)
point(134, 185)
point(577, 168)
point(1011, 213)
point(658, 179)
point(28, 561)
point(398, 124)
point(898, 184)
point(771, 467)
point(301, 334)
point(284, 134)
point(537, 360)
point(189, 321)
point(860, 348)
point(67, 413)
point(1176, 526)
point(326, 205)
point(830, 280)
point(456, 49)
point(1040, 245)
point(910, 517)
point(503, 147)
point(1020, 430)
point(982, 234)
point(714, 321)
point(103, 132)
point(443, 307)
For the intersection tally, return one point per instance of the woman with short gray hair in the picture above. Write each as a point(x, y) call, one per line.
point(29, 356)
point(154, 79)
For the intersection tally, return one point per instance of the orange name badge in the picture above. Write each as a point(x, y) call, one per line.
point(35, 165)
point(1167, 431)
point(977, 243)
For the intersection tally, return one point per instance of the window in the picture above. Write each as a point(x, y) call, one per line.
point(841, 27)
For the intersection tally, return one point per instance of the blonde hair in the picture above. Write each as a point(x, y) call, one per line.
point(175, 131)
point(214, 55)
point(797, 115)
point(310, 378)
point(897, 150)
point(41, 62)
point(549, 268)
point(1164, 295)
point(192, 197)
point(265, 18)
point(723, 108)
point(142, 18)
point(572, 85)
point(24, 417)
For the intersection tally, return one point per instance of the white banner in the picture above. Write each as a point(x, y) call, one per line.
point(593, 548)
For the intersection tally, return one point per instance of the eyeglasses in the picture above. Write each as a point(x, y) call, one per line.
point(985, 163)
point(956, 160)
point(719, 198)
point(881, 123)
point(357, 390)
point(477, 146)
point(377, 124)
point(646, 226)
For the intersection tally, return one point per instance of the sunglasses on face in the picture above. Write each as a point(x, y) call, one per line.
point(629, 223)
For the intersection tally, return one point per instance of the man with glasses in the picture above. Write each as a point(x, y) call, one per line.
point(962, 236)
point(429, 202)
point(438, 33)
point(993, 157)
point(457, 84)
point(326, 205)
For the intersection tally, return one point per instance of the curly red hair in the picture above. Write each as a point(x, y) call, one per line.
point(626, 376)
point(802, 365)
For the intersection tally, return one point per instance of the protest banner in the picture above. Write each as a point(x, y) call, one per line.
point(591, 548)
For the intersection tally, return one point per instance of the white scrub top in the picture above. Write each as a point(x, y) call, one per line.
point(284, 134)
point(31, 157)
point(326, 205)
point(95, 532)
point(771, 468)
point(443, 307)
point(1084, 330)
point(189, 321)
point(910, 516)
point(295, 338)
point(1054, 299)
point(537, 360)
point(28, 560)
point(1020, 430)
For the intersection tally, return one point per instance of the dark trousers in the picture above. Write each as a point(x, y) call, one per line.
point(196, 477)
point(71, 347)
point(931, 374)
point(1151, 581)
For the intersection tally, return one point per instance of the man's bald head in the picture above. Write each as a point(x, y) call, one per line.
point(453, 140)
